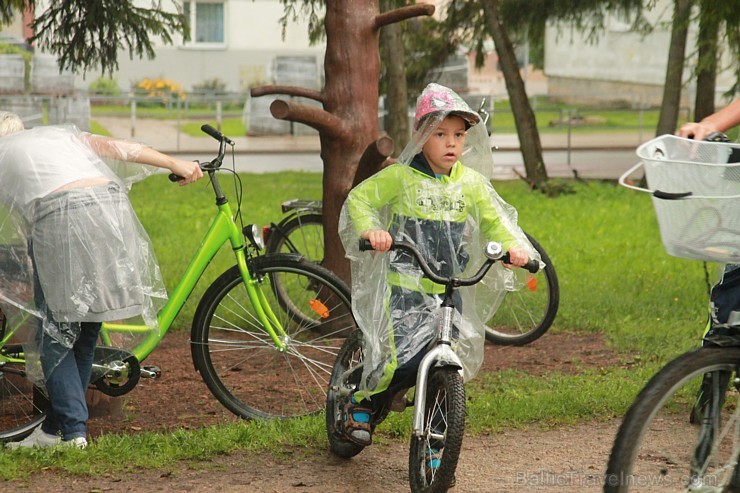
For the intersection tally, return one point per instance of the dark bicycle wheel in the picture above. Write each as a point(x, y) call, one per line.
point(342, 383)
point(243, 366)
point(22, 404)
point(302, 233)
point(526, 314)
point(433, 456)
point(658, 447)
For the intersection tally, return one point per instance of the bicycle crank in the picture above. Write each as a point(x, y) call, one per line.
point(115, 371)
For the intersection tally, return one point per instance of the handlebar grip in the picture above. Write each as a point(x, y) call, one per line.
point(365, 245)
point(216, 134)
point(533, 265)
point(174, 178)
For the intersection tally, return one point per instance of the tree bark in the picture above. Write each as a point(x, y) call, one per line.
point(706, 77)
point(671, 103)
point(526, 125)
point(348, 122)
point(396, 102)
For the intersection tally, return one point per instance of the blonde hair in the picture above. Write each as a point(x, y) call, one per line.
point(10, 123)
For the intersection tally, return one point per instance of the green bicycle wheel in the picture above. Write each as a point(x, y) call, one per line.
point(241, 364)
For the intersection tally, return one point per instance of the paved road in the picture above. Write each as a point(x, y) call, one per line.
point(598, 155)
point(594, 164)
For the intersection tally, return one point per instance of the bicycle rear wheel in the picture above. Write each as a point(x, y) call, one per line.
point(526, 314)
point(303, 233)
point(442, 436)
point(241, 364)
point(22, 404)
point(658, 448)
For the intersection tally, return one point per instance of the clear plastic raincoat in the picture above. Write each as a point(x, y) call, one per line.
point(450, 219)
point(71, 247)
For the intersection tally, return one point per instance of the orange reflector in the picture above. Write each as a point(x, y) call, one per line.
point(532, 283)
point(320, 308)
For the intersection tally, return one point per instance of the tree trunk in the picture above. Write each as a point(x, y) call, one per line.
point(396, 102)
point(351, 145)
point(706, 77)
point(671, 103)
point(526, 125)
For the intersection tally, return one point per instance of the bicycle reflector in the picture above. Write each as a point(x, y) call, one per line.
point(318, 307)
point(253, 234)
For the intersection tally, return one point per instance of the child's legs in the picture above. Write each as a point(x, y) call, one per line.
point(412, 322)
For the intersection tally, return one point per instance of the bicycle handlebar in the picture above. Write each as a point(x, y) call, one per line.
point(494, 253)
point(216, 163)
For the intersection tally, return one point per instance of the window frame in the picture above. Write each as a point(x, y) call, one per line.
point(193, 44)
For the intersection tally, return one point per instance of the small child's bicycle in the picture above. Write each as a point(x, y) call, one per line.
point(524, 316)
point(264, 337)
point(439, 394)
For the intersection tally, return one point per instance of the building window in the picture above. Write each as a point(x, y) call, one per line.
point(206, 22)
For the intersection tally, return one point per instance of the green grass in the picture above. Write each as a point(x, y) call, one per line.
point(615, 280)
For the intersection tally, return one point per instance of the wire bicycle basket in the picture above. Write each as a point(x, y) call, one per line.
point(695, 188)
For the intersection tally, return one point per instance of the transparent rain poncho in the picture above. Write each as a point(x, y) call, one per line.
point(71, 247)
point(450, 220)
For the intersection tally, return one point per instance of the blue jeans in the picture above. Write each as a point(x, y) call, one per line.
point(67, 382)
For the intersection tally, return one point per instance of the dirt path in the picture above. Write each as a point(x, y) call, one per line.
point(569, 459)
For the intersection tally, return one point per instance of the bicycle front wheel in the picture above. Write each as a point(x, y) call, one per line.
point(22, 404)
point(303, 233)
point(658, 448)
point(433, 456)
point(250, 373)
point(525, 315)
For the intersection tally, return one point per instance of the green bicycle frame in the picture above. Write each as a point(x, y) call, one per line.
point(223, 229)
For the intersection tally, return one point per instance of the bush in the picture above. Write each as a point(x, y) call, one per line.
point(158, 91)
point(104, 86)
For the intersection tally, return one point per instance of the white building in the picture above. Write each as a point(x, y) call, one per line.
point(622, 65)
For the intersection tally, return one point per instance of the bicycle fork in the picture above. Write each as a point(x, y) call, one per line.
point(440, 355)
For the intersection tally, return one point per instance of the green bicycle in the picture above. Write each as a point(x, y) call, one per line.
point(264, 337)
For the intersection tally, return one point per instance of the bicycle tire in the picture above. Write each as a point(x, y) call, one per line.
point(22, 404)
point(444, 415)
point(243, 367)
point(302, 233)
point(341, 384)
point(525, 315)
point(657, 447)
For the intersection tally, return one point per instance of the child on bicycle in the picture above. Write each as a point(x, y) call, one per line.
point(82, 255)
point(449, 211)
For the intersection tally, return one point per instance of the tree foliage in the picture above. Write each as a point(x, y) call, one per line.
point(89, 33)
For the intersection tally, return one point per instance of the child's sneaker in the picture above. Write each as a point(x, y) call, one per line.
point(38, 438)
point(356, 423)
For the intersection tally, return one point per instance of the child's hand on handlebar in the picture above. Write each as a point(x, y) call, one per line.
point(518, 256)
point(380, 239)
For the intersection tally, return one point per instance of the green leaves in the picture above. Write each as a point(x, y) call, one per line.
point(89, 33)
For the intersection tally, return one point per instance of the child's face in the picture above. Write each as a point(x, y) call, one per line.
point(444, 146)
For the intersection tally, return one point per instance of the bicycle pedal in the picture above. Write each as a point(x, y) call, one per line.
point(150, 372)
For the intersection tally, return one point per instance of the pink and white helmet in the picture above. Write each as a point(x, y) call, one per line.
point(440, 99)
